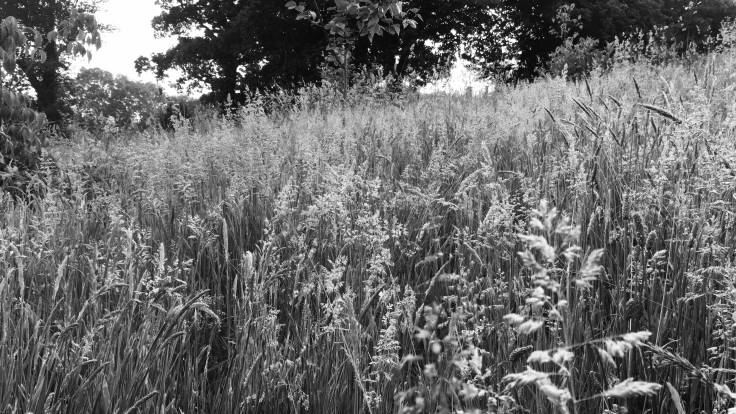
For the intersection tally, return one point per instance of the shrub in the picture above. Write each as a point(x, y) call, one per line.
point(575, 59)
point(20, 126)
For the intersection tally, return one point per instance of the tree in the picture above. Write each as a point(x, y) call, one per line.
point(98, 97)
point(353, 20)
point(20, 141)
point(233, 47)
point(427, 38)
point(532, 25)
point(62, 17)
point(236, 47)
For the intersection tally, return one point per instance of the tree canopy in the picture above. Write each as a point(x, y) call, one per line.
point(28, 47)
point(66, 18)
point(531, 23)
point(232, 47)
point(98, 99)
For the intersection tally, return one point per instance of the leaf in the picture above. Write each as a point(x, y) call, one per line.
point(676, 398)
point(395, 9)
point(290, 5)
point(103, 404)
point(9, 63)
point(59, 275)
point(39, 56)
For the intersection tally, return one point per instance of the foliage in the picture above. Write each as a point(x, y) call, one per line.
point(352, 20)
point(235, 48)
point(100, 99)
point(71, 31)
point(20, 125)
point(576, 57)
point(530, 23)
point(445, 29)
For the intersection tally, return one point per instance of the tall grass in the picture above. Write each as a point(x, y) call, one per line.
point(552, 247)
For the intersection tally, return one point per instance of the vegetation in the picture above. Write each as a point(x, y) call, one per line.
point(100, 100)
point(561, 246)
point(63, 21)
point(20, 125)
point(234, 48)
point(534, 26)
point(550, 247)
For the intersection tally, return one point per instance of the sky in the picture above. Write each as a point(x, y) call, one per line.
point(133, 37)
point(462, 78)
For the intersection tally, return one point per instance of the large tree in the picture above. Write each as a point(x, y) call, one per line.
point(48, 16)
point(446, 29)
point(231, 46)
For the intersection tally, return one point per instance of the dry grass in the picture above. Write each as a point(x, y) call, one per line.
point(390, 256)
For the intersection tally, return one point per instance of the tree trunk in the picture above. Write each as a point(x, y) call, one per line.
point(44, 78)
point(403, 63)
point(229, 82)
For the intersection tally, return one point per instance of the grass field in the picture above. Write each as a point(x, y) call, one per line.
point(551, 247)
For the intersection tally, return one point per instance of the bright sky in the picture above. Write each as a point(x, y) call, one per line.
point(132, 38)
point(461, 80)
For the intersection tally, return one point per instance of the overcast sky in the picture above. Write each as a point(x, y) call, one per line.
point(132, 38)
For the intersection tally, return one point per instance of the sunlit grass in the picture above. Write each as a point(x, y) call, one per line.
point(365, 257)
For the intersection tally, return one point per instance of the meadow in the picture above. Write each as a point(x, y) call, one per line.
point(552, 247)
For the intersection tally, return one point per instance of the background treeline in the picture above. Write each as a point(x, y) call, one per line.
point(232, 49)
point(236, 47)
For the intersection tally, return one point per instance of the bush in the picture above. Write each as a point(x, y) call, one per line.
point(20, 142)
point(20, 126)
point(575, 59)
